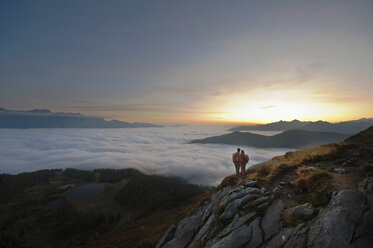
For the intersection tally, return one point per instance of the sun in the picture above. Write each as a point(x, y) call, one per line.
point(264, 107)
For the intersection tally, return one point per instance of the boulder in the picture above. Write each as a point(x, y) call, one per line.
point(298, 237)
point(235, 195)
point(220, 194)
point(235, 239)
point(295, 215)
point(262, 207)
point(336, 224)
point(255, 203)
point(232, 208)
point(271, 222)
point(301, 210)
point(202, 233)
point(256, 234)
point(364, 233)
point(185, 231)
point(237, 222)
point(250, 183)
point(279, 239)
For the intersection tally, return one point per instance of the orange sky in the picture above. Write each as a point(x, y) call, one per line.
point(190, 61)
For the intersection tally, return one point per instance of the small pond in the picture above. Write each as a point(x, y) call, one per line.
point(55, 203)
point(87, 192)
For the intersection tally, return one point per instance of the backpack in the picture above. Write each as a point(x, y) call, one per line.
point(246, 158)
point(235, 158)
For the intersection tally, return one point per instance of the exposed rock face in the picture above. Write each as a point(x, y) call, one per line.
point(364, 233)
point(302, 210)
point(246, 217)
point(272, 223)
point(337, 223)
point(298, 214)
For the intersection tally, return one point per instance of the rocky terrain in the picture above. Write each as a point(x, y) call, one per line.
point(247, 217)
point(320, 197)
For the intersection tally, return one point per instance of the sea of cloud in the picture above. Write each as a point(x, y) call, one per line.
point(164, 151)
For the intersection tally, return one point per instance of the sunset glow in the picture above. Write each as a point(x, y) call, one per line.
point(202, 62)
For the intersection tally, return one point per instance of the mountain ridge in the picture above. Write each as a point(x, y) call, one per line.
point(44, 118)
point(345, 127)
point(288, 139)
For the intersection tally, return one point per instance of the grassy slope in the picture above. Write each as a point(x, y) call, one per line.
point(308, 173)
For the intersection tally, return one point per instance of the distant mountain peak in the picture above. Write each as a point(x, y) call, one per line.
point(41, 111)
point(345, 127)
point(44, 118)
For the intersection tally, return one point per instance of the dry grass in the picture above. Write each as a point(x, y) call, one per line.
point(280, 165)
point(316, 184)
point(313, 183)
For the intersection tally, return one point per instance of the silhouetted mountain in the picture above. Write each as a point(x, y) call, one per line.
point(346, 127)
point(289, 139)
point(44, 118)
point(274, 126)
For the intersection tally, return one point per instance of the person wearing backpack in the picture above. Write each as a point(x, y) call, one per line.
point(244, 161)
point(236, 161)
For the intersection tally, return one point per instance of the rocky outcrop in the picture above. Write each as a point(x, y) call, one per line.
point(247, 217)
point(337, 223)
point(272, 223)
point(296, 215)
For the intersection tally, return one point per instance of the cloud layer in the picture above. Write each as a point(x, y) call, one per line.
point(163, 151)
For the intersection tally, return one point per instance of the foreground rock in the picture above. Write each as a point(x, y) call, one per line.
point(296, 215)
point(337, 223)
point(246, 217)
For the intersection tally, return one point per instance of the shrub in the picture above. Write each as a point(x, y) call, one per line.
point(280, 171)
point(316, 184)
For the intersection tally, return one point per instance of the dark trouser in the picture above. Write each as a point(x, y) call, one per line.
point(243, 169)
point(237, 165)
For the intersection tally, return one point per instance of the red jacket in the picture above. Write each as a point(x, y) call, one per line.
point(242, 159)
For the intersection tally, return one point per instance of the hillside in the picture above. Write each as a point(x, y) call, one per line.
point(318, 197)
point(346, 127)
point(74, 208)
point(288, 139)
point(44, 118)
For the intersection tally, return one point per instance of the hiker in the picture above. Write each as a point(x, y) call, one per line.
point(236, 161)
point(244, 158)
point(242, 162)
